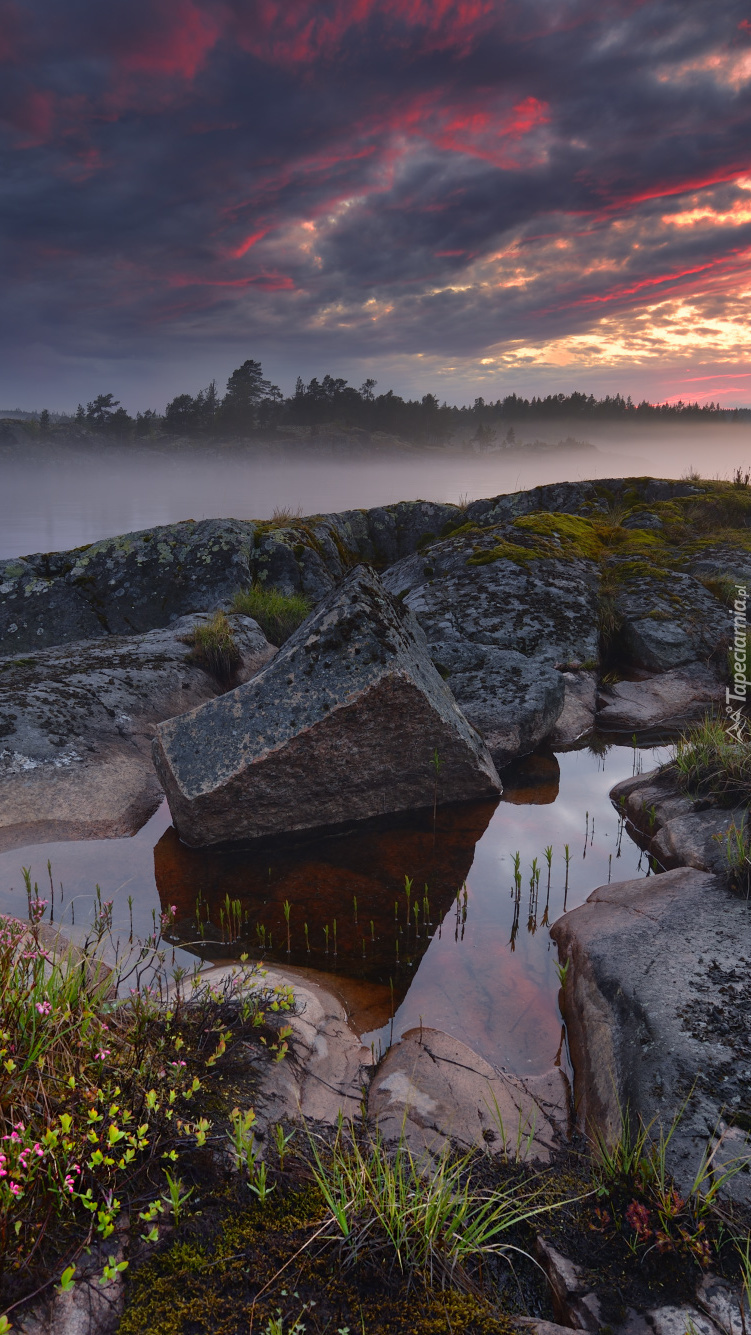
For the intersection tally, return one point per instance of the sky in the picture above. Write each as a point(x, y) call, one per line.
point(462, 196)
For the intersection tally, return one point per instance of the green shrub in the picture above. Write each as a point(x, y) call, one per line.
point(278, 614)
point(215, 648)
point(736, 852)
point(98, 1089)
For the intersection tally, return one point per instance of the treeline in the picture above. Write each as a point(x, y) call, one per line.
point(252, 405)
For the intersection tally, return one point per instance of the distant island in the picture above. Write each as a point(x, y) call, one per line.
point(253, 408)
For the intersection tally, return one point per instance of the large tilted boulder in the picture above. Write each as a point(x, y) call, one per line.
point(343, 725)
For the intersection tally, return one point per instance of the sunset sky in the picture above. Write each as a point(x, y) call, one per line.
point(463, 196)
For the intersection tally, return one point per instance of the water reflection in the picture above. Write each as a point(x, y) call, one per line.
point(532, 781)
point(481, 967)
point(364, 904)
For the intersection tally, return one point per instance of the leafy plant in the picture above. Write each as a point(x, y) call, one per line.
point(177, 1195)
point(278, 614)
point(647, 1209)
point(97, 1082)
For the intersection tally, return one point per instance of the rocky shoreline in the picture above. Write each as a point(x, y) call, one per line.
point(525, 619)
point(547, 613)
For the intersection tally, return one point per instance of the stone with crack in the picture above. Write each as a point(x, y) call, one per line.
point(350, 721)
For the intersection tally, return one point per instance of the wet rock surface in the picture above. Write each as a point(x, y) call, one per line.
point(76, 724)
point(672, 697)
point(674, 828)
point(434, 1090)
point(344, 725)
point(658, 1009)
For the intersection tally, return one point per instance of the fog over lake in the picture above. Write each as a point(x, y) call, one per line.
point(50, 501)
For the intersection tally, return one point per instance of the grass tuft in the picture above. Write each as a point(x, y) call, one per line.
point(284, 514)
point(712, 761)
point(215, 648)
point(424, 1218)
point(278, 614)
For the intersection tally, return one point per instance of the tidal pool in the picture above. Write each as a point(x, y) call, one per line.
point(420, 921)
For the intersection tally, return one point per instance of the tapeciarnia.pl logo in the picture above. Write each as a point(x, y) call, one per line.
point(737, 697)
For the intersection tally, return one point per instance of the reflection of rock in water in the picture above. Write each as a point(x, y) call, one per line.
point(532, 781)
point(349, 890)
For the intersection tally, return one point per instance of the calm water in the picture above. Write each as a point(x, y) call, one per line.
point(476, 961)
point(65, 503)
point(51, 504)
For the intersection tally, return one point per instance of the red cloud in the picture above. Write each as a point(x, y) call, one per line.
point(249, 241)
point(181, 36)
point(294, 32)
point(32, 114)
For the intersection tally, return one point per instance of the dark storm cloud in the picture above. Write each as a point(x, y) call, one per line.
point(363, 176)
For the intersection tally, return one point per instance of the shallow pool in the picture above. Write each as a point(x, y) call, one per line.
point(417, 921)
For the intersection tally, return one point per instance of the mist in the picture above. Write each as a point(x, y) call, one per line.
point(53, 498)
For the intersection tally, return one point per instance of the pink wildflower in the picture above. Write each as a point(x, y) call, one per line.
point(105, 1052)
point(15, 1190)
point(44, 1007)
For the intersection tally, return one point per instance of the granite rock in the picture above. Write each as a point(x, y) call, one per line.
point(676, 830)
point(672, 697)
point(497, 626)
point(77, 721)
point(657, 1004)
point(667, 620)
point(433, 1090)
point(343, 725)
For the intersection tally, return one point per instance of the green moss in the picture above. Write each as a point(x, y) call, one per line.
point(503, 551)
point(207, 1286)
point(425, 540)
point(622, 571)
point(578, 537)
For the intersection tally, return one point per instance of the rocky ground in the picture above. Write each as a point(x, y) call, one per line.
point(77, 722)
point(545, 614)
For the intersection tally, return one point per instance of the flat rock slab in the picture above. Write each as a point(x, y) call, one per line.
point(434, 1090)
point(674, 829)
point(343, 725)
point(658, 1009)
point(77, 721)
point(672, 697)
